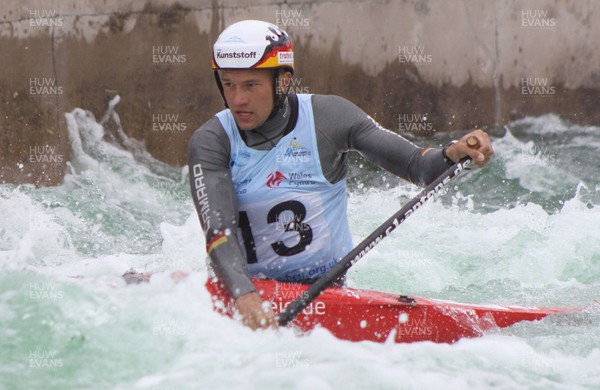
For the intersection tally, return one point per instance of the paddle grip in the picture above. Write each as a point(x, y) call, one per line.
point(473, 142)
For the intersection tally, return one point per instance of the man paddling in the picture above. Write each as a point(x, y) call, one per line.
point(268, 174)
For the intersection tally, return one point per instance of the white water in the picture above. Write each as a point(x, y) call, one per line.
point(119, 208)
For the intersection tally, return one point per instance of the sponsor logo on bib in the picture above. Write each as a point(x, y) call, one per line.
point(240, 159)
point(295, 152)
point(275, 178)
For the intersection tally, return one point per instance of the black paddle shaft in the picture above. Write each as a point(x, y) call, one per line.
point(369, 243)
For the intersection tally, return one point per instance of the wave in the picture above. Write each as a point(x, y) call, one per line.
point(526, 230)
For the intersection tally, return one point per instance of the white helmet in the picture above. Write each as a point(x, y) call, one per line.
point(252, 44)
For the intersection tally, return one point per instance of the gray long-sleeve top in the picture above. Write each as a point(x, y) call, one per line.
point(340, 127)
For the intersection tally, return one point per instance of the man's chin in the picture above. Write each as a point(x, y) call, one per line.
point(243, 124)
point(245, 127)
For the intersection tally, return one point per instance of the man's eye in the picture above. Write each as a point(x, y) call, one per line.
point(227, 85)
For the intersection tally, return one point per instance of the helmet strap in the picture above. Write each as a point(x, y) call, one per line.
point(279, 98)
point(220, 86)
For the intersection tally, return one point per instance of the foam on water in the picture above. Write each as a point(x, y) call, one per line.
point(524, 231)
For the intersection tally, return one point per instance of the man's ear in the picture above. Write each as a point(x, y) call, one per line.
point(285, 80)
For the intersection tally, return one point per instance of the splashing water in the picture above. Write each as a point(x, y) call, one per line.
point(526, 230)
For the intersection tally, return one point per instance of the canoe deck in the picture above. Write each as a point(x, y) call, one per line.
point(357, 314)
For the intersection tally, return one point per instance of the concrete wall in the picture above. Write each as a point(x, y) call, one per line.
point(414, 65)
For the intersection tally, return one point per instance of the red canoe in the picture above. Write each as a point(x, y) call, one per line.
point(356, 314)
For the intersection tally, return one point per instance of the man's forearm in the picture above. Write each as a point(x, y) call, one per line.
point(399, 156)
point(215, 202)
point(228, 264)
point(343, 126)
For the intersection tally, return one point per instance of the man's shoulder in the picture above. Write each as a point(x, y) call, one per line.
point(333, 111)
point(335, 106)
point(211, 132)
point(329, 100)
point(211, 128)
point(212, 125)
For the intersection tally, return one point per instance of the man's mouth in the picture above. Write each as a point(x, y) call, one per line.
point(244, 115)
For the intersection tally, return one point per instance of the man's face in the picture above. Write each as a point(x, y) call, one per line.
point(249, 94)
